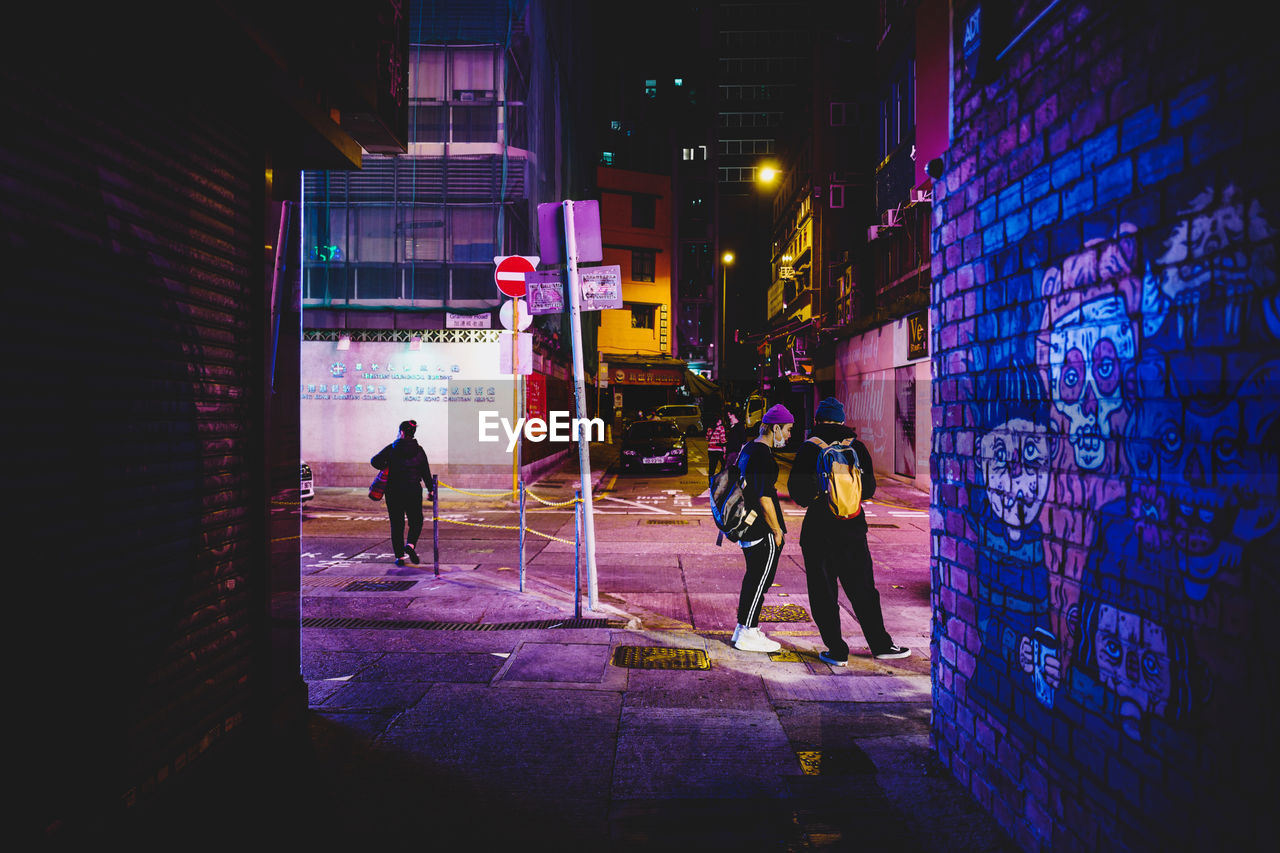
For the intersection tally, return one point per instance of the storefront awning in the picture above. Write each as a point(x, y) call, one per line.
point(700, 386)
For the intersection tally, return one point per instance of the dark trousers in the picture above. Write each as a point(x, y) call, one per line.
point(762, 565)
point(848, 562)
point(715, 458)
point(402, 508)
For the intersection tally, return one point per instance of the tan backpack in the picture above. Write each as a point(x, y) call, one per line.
point(839, 478)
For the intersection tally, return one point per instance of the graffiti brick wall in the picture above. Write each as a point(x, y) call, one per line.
point(1106, 350)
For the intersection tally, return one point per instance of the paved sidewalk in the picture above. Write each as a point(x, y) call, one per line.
point(465, 713)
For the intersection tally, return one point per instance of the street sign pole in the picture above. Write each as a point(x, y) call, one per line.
point(580, 396)
point(515, 393)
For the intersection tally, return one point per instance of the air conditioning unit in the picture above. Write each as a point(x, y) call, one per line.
point(890, 217)
point(918, 195)
point(473, 94)
point(875, 232)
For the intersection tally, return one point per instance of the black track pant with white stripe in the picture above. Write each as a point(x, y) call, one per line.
point(762, 565)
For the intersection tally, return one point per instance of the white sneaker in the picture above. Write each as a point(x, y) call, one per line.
point(754, 640)
point(737, 632)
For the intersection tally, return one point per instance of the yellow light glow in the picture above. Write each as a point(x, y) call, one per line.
point(768, 173)
point(728, 257)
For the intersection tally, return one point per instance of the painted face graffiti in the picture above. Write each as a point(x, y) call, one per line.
point(1089, 349)
point(1219, 249)
point(1207, 478)
point(1015, 457)
point(1134, 661)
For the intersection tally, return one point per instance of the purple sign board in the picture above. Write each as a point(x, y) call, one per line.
point(544, 292)
point(601, 287)
point(586, 231)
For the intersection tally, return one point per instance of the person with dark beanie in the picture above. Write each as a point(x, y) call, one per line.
point(835, 549)
point(408, 470)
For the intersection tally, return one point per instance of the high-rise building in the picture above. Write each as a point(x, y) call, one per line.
point(763, 59)
point(656, 90)
point(399, 257)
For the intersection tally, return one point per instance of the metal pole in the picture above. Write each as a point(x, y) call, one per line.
point(515, 387)
point(435, 520)
point(577, 537)
point(522, 537)
point(580, 395)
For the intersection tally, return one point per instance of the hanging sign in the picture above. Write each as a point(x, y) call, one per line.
point(601, 287)
point(544, 292)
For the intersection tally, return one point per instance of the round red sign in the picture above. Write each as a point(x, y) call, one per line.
point(509, 275)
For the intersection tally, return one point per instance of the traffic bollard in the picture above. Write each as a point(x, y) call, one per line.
point(435, 520)
point(577, 538)
point(522, 536)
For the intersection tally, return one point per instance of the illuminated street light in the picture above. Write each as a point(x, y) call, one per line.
point(767, 174)
point(725, 261)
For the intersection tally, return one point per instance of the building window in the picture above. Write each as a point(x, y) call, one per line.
point(475, 124)
point(426, 73)
point(642, 316)
point(326, 229)
point(642, 264)
point(472, 69)
point(606, 158)
point(373, 234)
point(427, 121)
point(473, 234)
point(643, 211)
point(651, 88)
point(424, 234)
point(473, 282)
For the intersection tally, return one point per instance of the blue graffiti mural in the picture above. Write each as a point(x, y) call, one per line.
point(1131, 467)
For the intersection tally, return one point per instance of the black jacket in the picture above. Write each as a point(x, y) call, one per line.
point(819, 524)
point(757, 465)
point(407, 467)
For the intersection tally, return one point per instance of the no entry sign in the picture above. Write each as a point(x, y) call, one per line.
point(509, 273)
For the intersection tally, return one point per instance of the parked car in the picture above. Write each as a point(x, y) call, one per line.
point(753, 411)
point(687, 418)
point(653, 444)
point(308, 490)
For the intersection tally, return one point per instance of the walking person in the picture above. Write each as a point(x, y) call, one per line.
point(716, 434)
point(408, 470)
point(762, 543)
point(835, 549)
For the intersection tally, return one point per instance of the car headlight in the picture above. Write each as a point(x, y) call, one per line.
point(678, 451)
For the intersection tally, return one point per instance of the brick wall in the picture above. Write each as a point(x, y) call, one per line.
point(1106, 390)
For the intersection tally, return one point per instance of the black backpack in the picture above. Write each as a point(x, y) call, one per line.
point(729, 503)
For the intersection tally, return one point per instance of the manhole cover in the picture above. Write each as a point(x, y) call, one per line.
point(835, 762)
point(783, 613)
point(666, 521)
point(377, 586)
point(657, 657)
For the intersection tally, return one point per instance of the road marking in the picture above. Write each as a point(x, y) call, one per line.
point(648, 507)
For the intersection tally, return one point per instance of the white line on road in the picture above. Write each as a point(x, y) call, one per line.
point(649, 508)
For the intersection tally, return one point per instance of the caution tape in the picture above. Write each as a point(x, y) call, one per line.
point(493, 493)
point(549, 503)
point(508, 527)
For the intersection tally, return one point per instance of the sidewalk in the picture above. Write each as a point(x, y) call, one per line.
point(463, 711)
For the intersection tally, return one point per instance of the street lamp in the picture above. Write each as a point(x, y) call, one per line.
point(725, 261)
